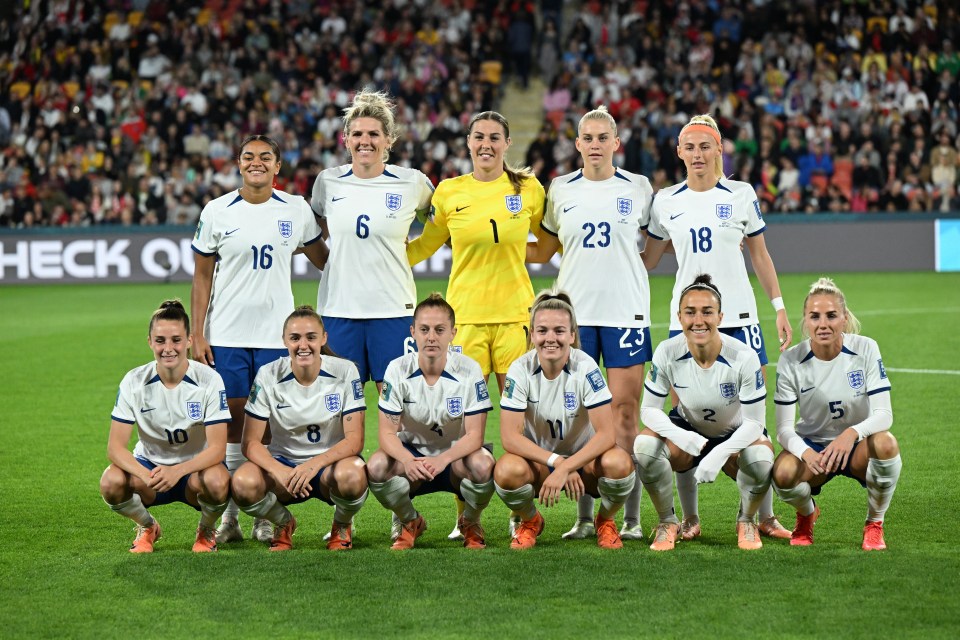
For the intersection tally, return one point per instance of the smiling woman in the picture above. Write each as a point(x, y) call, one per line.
point(244, 248)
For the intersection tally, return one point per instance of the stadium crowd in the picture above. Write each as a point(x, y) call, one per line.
point(128, 111)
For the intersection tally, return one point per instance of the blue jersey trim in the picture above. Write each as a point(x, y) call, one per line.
point(415, 374)
point(755, 400)
point(599, 404)
point(503, 408)
point(189, 380)
point(843, 349)
point(287, 378)
point(274, 196)
point(354, 410)
point(253, 415)
point(757, 232)
point(544, 227)
point(617, 174)
point(113, 417)
point(876, 391)
point(478, 411)
point(723, 360)
point(210, 424)
point(682, 188)
point(720, 186)
point(784, 403)
point(685, 356)
point(654, 236)
point(310, 242)
point(155, 378)
point(324, 374)
point(388, 174)
point(239, 198)
point(448, 376)
point(203, 253)
point(347, 174)
point(659, 395)
point(576, 177)
point(807, 357)
point(389, 413)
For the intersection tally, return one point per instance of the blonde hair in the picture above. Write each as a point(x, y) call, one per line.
point(554, 300)
point(827, 287)
point(376, 105)
point(600, 113)
point(516, 175)
point(706, 120)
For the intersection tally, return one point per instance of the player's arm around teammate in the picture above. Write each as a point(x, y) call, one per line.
point(718, 422)
point(837, 380)
point(314, 402)
point(597, 215)
point(180, 411)
point(557, 429)
point(432, 421)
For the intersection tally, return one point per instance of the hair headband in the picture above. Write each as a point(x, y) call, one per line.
point(702, 128)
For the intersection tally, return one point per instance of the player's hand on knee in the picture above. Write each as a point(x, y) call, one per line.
point(813, 461)
point(574, 488)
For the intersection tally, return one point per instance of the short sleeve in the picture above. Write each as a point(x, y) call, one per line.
point(753, 387)
point(123, 409)
point(354, 399)
point(515, 388)
point(205, 241)
point(217, 411)
point(551, 220)
point(755, 223)
point(391, 396)
point(311, 229)
point(786, 392)
point(646, 197)
point(657, 381)
point(877, 381)
point(478, 396)
point(425, 191)
point(316, 196)
point(593, 388)
point(258, 404)
point(654, 229)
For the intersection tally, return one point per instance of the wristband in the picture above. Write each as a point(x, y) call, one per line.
point(777, 304)
point(552, 460)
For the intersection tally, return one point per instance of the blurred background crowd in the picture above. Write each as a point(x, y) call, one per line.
point(130, 111)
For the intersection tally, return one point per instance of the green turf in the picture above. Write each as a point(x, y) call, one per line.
point(66, 572)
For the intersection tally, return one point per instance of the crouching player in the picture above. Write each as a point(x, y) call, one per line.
point(432, 418)
point(837, 380)
point(314, 402)
point(558, 429)
point(718, 422)
point(180, 409)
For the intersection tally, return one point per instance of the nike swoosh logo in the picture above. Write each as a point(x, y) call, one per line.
point(633, 353)
point(565, 209)
point(409, 402)
point(533, 401)
point(672, 217)
point(338, 199)
point(459, 209)
point(142, 410)
point(226, 233)
point(282, 406)
point(807, 389)
point(680, 386)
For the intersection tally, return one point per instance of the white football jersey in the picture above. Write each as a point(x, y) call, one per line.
point(254, 245)
point(171, 423)
point(367, 274)
point(305, 421)
point(598, 224)
point(707, 229)
point(555, 411)
point(710, 399)
point(832, 395)
point(431, 417)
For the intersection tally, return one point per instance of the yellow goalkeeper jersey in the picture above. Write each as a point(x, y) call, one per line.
point(488, 226)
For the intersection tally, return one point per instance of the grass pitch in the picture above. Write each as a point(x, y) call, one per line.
point(66, 572)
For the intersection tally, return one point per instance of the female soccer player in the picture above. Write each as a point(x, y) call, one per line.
point(836, 378)
point(718, 422)
point(241, 292)
point(597, 215)
point(367, 294)
point(432, 418)
point(180, 410)
point(487, 216)
point(708, 218)
point(314, 403)
point(558, 430)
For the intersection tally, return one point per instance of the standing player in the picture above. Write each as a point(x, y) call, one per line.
point(597, 215)
point(718, 422)
point(487, 216)
point(180, 410)
point(558, 430)
point(836, 378)
point(708, 218)
point(314, 402)
point(432, 418)
point(367, 294)
point(241, 292)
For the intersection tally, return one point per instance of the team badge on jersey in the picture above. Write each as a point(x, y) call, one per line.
point(254, 392)
point(393, 201)
point(724, 211)
point(595, 378)
point(756, 207)
point(455, 406)
point(624, 206)
point(855, 378)
point(456, 348)
point(570, 401)
point(883, 372)
point(332, 402)
point(357, 389)
point(482, 392)
point(728, 390)
point(508, 386)
point(387, 388)
point(760, 382)
point(199, 226)
point(223, 401)
point(514, 203)
point(194, 410)
point(286, 228)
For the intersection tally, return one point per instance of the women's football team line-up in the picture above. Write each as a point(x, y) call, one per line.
point(268, 409)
